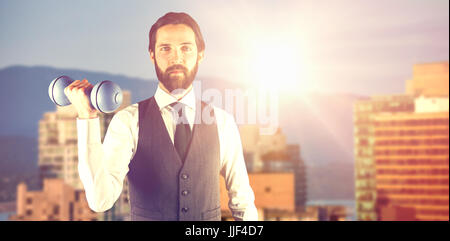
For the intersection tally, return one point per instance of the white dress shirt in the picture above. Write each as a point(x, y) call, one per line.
point(103, 167)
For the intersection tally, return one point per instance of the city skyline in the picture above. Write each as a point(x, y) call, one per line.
point(362, 87)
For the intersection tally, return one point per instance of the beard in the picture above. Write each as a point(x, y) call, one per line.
point(173, 82)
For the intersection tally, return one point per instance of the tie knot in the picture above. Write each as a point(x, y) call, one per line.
point(178, 107)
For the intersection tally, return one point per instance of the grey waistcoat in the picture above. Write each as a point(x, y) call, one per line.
point(161, 187)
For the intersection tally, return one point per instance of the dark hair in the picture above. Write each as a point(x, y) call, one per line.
point(176, 18)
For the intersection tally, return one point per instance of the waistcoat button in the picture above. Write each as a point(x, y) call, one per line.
point(185, 210)
point(185, 192)
point(184, 176)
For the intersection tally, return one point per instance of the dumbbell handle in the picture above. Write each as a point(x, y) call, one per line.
point(88, 113)
point(81, 100)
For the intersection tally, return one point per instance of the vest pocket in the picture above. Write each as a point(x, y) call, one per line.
point(212, 215)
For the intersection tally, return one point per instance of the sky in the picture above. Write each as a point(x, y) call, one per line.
point(360, 47)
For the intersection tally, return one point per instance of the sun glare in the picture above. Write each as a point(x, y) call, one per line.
point(276, 66)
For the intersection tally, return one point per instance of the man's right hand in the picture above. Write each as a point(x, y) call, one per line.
point(76, 93)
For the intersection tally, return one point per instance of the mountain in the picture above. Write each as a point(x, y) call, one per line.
point(18, 163)
point(323, 126)
point(23, 158)
point(320, 122)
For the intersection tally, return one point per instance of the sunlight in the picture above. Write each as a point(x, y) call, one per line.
point(276, 65)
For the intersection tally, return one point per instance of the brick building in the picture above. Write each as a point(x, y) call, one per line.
point(57, 201)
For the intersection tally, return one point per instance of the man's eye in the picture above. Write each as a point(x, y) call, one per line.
point(186, 48)
point(165, 48)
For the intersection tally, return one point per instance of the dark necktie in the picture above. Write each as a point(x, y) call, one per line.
point(182, 132)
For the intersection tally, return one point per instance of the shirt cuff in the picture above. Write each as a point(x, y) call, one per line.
point(89, 130)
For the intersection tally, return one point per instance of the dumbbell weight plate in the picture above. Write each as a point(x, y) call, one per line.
point(106, 96)
point(56, 90)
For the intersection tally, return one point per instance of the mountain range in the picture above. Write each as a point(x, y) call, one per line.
point(320, 122)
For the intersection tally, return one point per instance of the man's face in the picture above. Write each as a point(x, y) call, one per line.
point(176, 57)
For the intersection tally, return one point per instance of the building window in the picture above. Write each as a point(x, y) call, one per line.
point(29, 212)
point(29, 200)
point(56, 210)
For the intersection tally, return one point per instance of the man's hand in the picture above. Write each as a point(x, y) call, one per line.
point(76, 92)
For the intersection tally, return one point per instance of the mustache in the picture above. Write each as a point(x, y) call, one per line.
point(176, 67)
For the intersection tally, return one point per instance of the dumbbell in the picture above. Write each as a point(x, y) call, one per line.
point(106, 96)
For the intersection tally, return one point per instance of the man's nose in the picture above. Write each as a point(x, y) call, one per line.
point(177, 57)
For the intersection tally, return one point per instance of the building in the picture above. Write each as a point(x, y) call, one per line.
point(272, 154)
point(325, 213)
point(429, 80)
point(274, 196)
point(57, 201)
point(256, 145)
point(424, 104)
point(401, 150)
point(364, 112)
point(58, 150)
point(301, 195)
point(411, 155)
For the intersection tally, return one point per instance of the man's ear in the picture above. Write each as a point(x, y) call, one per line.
point(200, 56)
point(152, 57)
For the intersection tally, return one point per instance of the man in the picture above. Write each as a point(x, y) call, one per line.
point(172, 157)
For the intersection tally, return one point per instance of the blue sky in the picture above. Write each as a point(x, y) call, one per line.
point(362, 47)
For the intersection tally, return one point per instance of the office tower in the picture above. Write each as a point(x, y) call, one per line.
point(364, 140)
point(411, 154)
point(300, 177)
point(401, 150)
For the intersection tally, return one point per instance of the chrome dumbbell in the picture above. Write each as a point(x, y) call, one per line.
point(106, 96)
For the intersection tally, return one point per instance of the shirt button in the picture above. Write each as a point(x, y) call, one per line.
point(184, 176)
point(185, 210)
point(185, 192)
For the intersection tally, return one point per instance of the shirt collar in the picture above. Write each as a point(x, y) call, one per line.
point(163, 99)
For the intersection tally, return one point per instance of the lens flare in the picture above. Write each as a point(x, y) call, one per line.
point(276, 65)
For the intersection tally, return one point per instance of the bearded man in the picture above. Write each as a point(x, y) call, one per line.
point(171, 156)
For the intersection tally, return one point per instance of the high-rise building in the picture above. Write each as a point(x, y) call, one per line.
point(411, 155)
point(299, 177)
point(401, 150)
point(57, 201)
point(364, 112)
point(58, 150)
